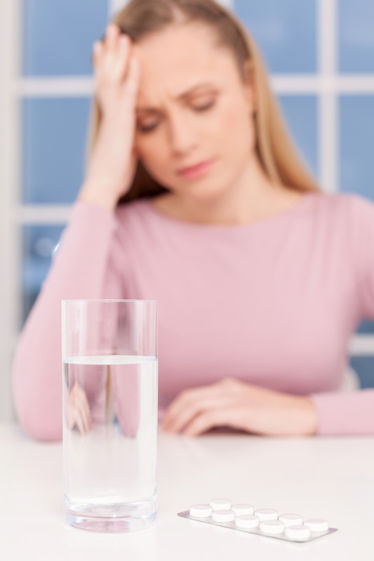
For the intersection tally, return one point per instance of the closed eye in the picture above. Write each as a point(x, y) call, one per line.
point(153, 125)
point(204, 107)
point(146, 128)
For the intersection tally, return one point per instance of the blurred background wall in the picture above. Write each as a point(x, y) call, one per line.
point(320, 54)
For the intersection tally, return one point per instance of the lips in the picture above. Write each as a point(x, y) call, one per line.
point(196, 170)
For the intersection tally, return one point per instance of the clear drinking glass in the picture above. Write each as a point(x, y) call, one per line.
point(110, 397)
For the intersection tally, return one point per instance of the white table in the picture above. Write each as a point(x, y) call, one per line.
point(331, 478)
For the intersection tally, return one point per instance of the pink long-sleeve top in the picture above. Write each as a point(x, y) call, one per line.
point(273, 302)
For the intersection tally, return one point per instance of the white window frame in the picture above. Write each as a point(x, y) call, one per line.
point(9, 197)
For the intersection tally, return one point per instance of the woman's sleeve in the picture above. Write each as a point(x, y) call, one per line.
point(83, 267)
point(345, 413)
point(352, 413)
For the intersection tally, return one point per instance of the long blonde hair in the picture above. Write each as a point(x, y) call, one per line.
point(275, 149)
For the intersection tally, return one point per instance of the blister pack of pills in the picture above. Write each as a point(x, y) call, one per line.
point(261, 521)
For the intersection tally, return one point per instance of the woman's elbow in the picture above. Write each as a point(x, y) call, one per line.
point(40, 427)
point(39, 413)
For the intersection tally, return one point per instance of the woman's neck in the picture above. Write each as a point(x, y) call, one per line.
point(253, 197)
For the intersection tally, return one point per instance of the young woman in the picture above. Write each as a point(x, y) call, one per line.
point(195, 196)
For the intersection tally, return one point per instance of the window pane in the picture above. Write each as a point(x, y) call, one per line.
point(285, 32)
point(356, 35)
point(300, 113)
point(366, 326)
point(364, 367)
point(54, 147)
point(38, 245)
point(356, 114)
point(59, 34)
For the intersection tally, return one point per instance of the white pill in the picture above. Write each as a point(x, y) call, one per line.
point(220, 504)
point(291, 519)
point(246, 521)
point(297, 533)
point(242, 509)
point(271, 527)
point(223, 515)
point(266, 514)
point(200, 511)
point(317, 524)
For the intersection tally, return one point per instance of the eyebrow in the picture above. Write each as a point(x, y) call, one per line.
point(183, 95)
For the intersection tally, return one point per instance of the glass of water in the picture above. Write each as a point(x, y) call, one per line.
point(110, 397)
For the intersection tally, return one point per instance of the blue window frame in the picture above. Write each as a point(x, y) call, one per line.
point(356, 135)
point(364, 367)
point(285, 32)
point(58, 35)
point(54, 147)
point(38, 246)
point(356, 35)
point(300, 112)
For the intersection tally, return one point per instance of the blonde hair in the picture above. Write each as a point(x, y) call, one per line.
point(275, 149)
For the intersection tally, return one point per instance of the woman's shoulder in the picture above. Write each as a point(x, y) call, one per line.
point(347, 216)
point(134, 212)
point(333, 208)
point(138, 206)
point(343, 205)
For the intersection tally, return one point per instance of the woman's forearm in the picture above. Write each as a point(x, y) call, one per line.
point(345, 413)
point(78, 271)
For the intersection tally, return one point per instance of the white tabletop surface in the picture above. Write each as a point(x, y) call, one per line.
point(330, 478)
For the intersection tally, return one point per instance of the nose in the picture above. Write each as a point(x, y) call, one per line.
point(181, 133)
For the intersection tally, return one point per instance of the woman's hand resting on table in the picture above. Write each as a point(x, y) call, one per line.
point(239, 405)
